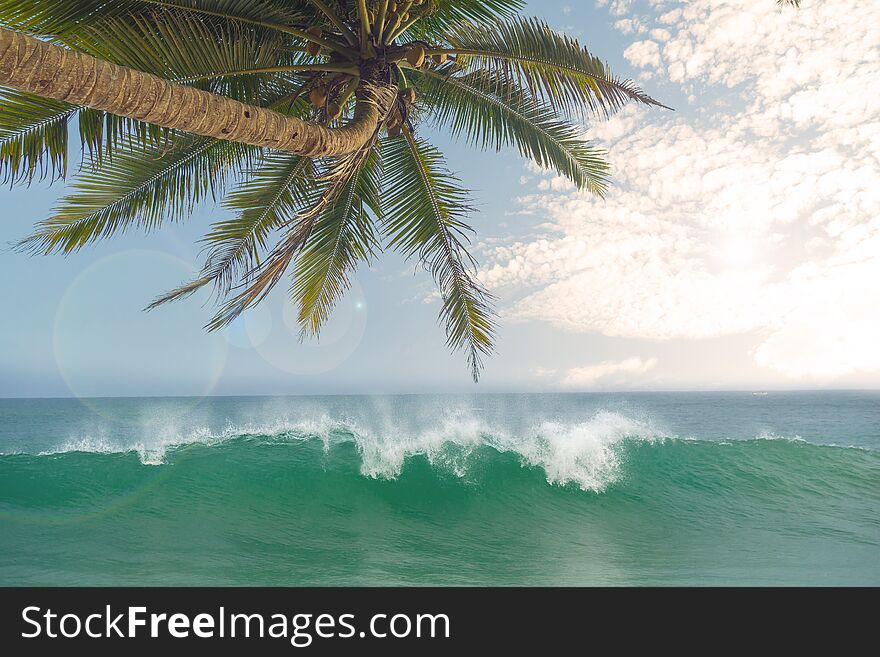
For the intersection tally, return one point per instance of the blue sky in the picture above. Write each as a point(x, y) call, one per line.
point(736, 250)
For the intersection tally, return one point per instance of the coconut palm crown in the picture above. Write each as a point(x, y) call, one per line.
point(308, 116)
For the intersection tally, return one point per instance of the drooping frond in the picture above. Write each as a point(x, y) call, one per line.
point(35, 141)
point(552, 65)
point(33, 136)
point(265, 199)
point(136, 188)
point(178, 293)
point(261, 281)
point(282, 186)
point(492, 112)
point(425, 213)
point(343, 236)
point(102, 134)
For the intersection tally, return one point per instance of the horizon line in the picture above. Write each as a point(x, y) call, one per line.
point(683, 391)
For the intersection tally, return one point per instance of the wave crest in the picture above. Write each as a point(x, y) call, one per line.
point(585, 454)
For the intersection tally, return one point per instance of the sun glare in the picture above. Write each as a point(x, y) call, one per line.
point(737, 252)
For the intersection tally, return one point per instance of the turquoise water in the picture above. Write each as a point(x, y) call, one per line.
point(480, 490)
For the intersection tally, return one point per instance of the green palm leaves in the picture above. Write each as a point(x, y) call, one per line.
point(445, 14)
point(137, 188)
point(33, 136)
point(427, 211)
point(470, 68)
point(206, 54)
point(63, 18)
point(264, 201)
point(344, 236)
point(491, 112)
point(550, 65)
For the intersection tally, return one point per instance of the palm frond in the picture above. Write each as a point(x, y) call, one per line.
point(178, 293)
point(441, 14)
point(491, 111)
point(64, 21)
point(60, 18)
point(552, 66)
point(103, 134)
point(266, 199)
point(33, 136)
point(136, 188)
point(180, 47)
point(425, 213)
point(343, 236)
point(261, 281)
point(269, 198)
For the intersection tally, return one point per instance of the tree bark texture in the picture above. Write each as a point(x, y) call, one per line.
point(50, 71)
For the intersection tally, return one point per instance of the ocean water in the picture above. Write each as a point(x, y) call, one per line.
point(596, 489)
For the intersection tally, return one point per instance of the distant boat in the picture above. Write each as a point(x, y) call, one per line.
point(760, 394)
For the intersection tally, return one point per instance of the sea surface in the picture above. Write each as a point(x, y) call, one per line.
point(593, 489)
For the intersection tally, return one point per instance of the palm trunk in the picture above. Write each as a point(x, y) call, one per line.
point(34, 66)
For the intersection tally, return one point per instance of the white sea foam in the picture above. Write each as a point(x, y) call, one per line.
point(153, 450)
point(585, 454)
point(769, 435)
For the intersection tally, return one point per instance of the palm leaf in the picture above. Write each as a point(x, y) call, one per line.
point(343, 236)
point(267, 200)
point(60, 18)
point(65, 21)
point(493, 112)
point(181, 47)
point(103, 134)
point(261, 281)
point(33, 136)
point(553, 66)
point(442, 14)
point(424, 217)
point(137, 188)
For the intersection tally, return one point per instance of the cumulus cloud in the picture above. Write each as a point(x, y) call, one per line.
point(755, 212)
point(607, 372)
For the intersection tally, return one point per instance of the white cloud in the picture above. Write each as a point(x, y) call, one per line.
point(830, 329)
point(757, 213)
point(644, 53)
point(608, 371)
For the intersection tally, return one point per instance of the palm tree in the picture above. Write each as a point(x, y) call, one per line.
point(309, 112)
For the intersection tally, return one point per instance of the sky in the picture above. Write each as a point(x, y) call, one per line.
point(738, 249)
